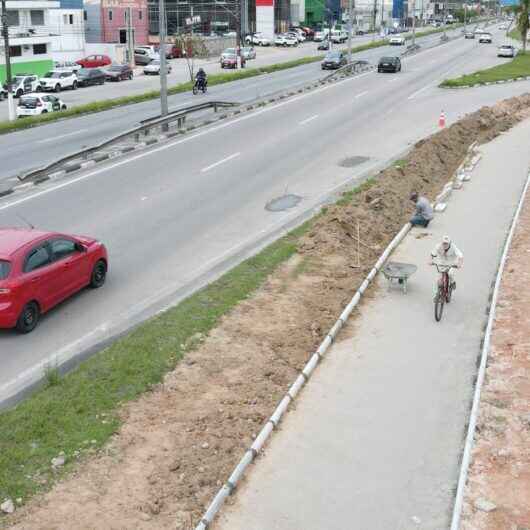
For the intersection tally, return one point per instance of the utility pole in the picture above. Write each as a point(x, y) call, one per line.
point(350, 26)
point(413, 22)
point(130, 37)
point(162, 52)
point(9, 81)
point(382, 13)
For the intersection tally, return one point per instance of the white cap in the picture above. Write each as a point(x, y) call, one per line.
point(446, 240)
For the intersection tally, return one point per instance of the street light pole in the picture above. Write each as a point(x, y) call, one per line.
point(413, 22)
point(162, 51)
point(350, 26)
point(9, 81)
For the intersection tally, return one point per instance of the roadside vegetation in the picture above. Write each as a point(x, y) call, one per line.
point(516, 68)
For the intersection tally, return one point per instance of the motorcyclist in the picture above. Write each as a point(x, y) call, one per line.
point(201, 79)
point(447, 253)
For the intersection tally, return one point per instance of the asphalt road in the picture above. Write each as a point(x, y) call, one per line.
point(176, 216)
point(376, 437)
point(33, 148)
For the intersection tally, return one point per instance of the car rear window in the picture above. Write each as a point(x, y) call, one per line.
point(28, 102)
point(5, 268)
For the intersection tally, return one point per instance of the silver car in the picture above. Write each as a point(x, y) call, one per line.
point(153, 68)
point(506, 50)
point(248, 53)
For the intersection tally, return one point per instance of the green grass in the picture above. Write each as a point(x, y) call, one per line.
point(77, 413)
point(518, 67)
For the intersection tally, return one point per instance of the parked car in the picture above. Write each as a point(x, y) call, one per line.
point(506, 50)
point(37, 104)
point(58, 81)
point(309, 33)
point(118, 72)
point(90, 76)
point(24, 84)
point(485, 38)
point(285, 40)
point(503, 27)
point(396, 40)
point(143, 56)
point(334, 59)
point(39, 269)
point(153, 68)
point(258, 39)
point(321, 35)
point(324, 45)
point(229, 60)
point(469, 35)
point(3, 92)
point(339, 36)
point(66, 65)
point(298, 35)
point(389, 64)
point(360, 32)
point(248, 53)
point(95, 61)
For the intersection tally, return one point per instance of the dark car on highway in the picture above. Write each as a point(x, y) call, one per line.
point(334, 59)
point(118, 72)
point(90, 76)
point(389, 64)
point(39, 269)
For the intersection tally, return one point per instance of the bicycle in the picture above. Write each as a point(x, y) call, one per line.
point(445, 290)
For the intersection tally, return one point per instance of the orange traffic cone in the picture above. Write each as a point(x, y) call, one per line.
point(441, 119)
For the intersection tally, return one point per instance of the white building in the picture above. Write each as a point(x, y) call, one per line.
point(68, 30)
point(30, 39)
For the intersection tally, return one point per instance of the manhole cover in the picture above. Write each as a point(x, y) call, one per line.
point(353, 161)
point(283, 203)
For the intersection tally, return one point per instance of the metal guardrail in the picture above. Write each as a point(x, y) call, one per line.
point(350, 68)
point(178, 115)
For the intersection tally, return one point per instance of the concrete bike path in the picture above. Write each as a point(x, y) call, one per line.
point(375, 440)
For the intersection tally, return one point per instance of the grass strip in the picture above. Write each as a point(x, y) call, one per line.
point(517, 67)
point(214, 79)
point(77, 413)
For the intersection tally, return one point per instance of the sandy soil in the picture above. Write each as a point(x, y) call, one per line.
point(179, 442)
point(500, 468)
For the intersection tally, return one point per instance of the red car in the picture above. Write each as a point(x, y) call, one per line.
point(40, 269)
point(95, 61)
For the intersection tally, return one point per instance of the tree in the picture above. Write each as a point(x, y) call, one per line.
point(193, 47)
point(523, 22)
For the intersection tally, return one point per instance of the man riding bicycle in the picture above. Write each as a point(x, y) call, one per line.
point(448, 255)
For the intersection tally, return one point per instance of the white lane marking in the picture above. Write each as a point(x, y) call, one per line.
point(309, 119)
point(395, 79)
point(46, 140)
point(361, 94)
point(207, 168)
point(413, 95)
point(173, 144)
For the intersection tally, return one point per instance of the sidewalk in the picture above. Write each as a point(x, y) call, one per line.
point(498, 490)
point(375, 440)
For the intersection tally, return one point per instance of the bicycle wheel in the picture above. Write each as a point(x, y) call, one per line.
point(449, 293)
point(438, 307)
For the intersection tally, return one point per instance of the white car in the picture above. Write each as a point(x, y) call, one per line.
point(153, 68)
point(298, 35)
point(320, 36)
point(259, 39)
point(485, 38)
point(396, 40)
point(506, 50)
point(66, 65)
point(504, 27)
point(37, 104)
point(24, 84)
point(58, 80)
point(285, 40)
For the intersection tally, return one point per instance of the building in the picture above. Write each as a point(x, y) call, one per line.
point(68, 30)
point(30, 36)
point(106, 21)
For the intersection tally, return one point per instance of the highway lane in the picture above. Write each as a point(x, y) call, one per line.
point(178, 215)
point(32, 148)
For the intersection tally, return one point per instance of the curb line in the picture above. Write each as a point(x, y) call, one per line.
point(488, 83)
point(466, 457)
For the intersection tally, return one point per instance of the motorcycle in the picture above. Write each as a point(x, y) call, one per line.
point(200, 84)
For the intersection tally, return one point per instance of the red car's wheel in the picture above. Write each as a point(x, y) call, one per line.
point(99, 274)
point(29, 318)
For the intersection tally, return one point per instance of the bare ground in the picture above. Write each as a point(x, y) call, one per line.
point(179, 442)
point(500, 468)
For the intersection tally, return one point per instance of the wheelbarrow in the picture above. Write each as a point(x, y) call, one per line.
point(398, 273)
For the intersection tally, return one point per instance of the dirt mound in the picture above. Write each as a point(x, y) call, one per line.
point(180, 441)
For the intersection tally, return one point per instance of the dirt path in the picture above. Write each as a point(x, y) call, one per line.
point(179, 442)
point(499, 476)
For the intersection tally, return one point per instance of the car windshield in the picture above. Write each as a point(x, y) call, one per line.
point(52, 75)
point(387, 59)
point(116, 68)
point(5, 267)
point(156, 62)
point(332, 55)
point(230, 51)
